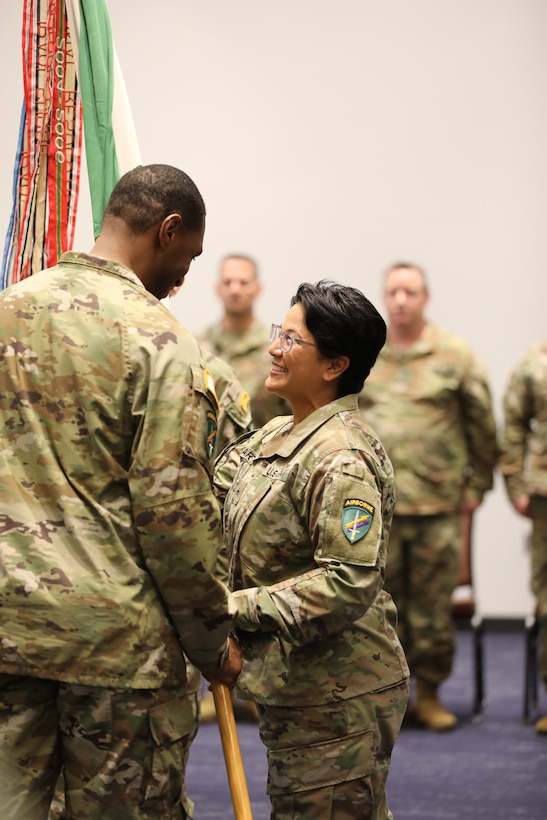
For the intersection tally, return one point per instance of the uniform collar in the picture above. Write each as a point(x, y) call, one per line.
point(78, 259)
point(425, 344)
point(286, 438)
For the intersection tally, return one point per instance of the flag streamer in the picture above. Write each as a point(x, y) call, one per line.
point(47, 169)
point(72, 83)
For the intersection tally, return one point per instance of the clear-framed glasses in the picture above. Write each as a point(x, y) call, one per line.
point(286, 341)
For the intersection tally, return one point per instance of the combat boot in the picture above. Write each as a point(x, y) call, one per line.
point(429, 709)
point(541, 725)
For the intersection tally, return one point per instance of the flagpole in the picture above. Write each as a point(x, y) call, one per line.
point(232, 751)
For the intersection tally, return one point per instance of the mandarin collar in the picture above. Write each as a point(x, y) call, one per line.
point(289, 438)
point(100, 264)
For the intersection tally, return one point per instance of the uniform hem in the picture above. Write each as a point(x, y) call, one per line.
point(96, 678)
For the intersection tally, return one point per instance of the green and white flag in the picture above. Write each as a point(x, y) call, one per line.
point(109, 132)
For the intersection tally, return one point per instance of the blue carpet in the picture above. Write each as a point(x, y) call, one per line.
point(495, 769)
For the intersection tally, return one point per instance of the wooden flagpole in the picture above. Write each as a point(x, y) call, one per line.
point(232, 751)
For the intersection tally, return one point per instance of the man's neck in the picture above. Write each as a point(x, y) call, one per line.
point(237, 323)
point(403, 338)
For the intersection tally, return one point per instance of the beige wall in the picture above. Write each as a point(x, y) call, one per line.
point(331, 138)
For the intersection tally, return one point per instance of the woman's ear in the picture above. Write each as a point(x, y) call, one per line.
point(336, 367)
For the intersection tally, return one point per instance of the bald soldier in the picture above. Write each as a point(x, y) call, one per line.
point(110, 530)
point(429, 401)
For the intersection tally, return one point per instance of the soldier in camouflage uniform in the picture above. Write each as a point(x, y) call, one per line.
point(524, 468)
point(110, 529)
point(429, 400)
point(307, 503)
point(233, 420)
point(234, 404)
point(240, 339)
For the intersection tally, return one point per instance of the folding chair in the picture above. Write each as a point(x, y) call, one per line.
point(467, 616)
point(531, 631)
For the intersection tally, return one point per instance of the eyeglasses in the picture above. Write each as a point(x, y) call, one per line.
point(286, 341)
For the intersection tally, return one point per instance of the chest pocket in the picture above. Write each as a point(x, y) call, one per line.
point(263, 525)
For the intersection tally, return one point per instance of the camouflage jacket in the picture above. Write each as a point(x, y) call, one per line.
point(247, 353)
point(234, 411)
point(110, 529)
point(432, 408)
point(307, 515)
point(524, 440)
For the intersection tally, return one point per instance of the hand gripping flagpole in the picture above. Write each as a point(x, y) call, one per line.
point(232, 751)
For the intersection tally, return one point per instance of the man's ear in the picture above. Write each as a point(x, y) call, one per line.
point(336, 367)
point(168, 229)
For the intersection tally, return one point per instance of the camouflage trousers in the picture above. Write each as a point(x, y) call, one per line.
point(332, 760)
point(120, 754)
point(422, 571)
point(538, 580)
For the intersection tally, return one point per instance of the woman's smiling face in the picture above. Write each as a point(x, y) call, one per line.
point(297, 375)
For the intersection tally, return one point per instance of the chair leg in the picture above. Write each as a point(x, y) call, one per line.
point(530, 668)
point(478, 631)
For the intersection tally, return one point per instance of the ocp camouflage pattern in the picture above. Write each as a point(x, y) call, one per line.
point(109, 527)
point(431, 406)
point(524, 442)
point(234, 414)
point(314, 622)
point(247, 353)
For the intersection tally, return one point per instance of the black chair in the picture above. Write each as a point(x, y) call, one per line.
point(467, 617)
point(531, 631)
point(466, 614)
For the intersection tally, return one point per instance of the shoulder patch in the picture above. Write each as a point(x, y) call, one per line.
point(212, 427)
point(356, 518)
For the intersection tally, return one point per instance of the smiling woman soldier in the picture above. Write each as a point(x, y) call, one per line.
point(307, 503)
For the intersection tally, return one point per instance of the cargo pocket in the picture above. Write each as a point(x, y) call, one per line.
point(172, 725)
point(301, 768)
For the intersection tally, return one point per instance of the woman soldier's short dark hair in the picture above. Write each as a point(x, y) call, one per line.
point(343, 322)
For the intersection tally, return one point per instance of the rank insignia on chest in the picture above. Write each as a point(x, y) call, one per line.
point(211, 389)
point(211, 433)
point(356, 518)
point(245, 399)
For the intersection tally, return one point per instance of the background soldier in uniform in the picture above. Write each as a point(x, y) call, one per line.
point(240, 339)
point(524, 468)
point(110, 530)
point(307, 502)
point(429, 401)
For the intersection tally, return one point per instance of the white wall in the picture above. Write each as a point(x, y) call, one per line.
point(332, 138)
